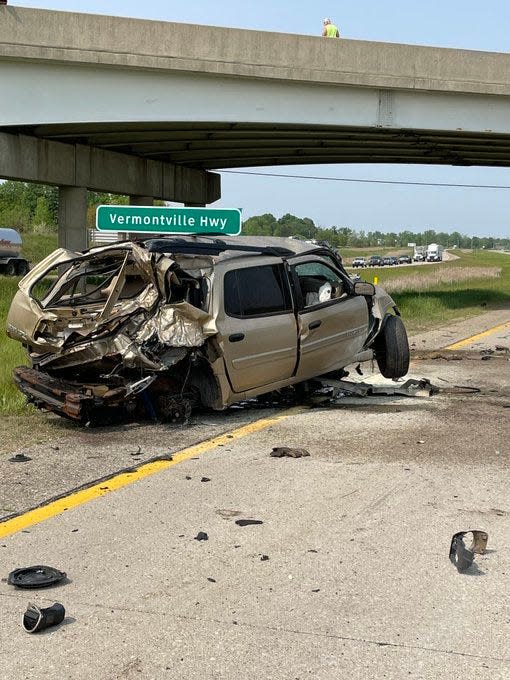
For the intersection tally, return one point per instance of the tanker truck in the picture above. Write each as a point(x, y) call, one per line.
point(12, 263)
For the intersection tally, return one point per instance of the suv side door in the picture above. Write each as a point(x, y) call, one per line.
point(257, 325)
point(333, 324)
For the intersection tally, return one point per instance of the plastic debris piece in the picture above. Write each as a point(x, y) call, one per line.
point(460, 555)
point(19, 458)
point(36, 618)
point(205, 479)
point(38, 576)
point(248, 522)
point(201, 536)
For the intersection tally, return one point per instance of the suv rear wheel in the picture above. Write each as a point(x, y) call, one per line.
point(392, 348)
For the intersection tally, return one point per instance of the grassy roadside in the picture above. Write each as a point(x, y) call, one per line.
point(35, 248)
point(440, 302)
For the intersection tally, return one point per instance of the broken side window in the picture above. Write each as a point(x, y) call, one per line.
point(318, 283)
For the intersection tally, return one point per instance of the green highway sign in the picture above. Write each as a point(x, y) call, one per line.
point(163, 220)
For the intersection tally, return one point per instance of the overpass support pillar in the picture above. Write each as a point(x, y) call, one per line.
point(72, 218)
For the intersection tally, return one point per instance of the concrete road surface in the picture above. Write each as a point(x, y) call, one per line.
point(347, 576)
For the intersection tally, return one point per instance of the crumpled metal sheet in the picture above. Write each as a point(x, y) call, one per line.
point(178, 325)
point(410, 388)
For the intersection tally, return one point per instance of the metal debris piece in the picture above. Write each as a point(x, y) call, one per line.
point(248, 522)
point(286, 452)
point(410, 388)
point(19, 458)
point(201, 536)
point(38, 576)
point(461, 556)
point(36, 618)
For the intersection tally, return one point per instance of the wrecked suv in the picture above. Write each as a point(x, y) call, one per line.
point(157, 326)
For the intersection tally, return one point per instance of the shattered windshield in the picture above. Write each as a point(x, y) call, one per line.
point(90, 281)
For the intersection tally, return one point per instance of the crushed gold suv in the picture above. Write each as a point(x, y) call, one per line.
point(157, 326)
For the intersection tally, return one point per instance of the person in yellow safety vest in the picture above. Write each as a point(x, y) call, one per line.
point(330, 30)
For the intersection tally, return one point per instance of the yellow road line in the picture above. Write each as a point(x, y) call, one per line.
point(119, 480)
point(479, 336)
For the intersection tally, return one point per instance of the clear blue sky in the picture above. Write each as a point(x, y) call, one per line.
point(454, 23)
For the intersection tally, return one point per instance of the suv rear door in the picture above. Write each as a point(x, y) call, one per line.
point(333, 324)
point(257, 326)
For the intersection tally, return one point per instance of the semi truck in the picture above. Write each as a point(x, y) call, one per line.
point(420, 253)
point(435, 253)
point(12, 263)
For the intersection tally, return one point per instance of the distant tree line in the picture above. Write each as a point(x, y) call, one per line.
point(345, 237)
point(29, 207)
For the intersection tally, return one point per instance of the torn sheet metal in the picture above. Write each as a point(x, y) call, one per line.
point(411, 388)
point(178, 325)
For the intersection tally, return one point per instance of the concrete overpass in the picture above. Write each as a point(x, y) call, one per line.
point(150, 108)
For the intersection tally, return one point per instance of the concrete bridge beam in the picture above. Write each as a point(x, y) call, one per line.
point(31, 159)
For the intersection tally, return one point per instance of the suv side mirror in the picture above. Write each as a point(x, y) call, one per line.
point(364, 288)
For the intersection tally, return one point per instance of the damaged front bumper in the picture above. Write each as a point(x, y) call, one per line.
point(74, 401)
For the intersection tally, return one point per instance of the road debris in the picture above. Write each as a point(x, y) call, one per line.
point(19, 458)
point(201, 536)
point(264, 558)
point(36, 618)
point(461, 556)
point(205, 479)
point(211, 580)
point(39, 576)
point(286, 452)
point(333, 389)
point(248, 522)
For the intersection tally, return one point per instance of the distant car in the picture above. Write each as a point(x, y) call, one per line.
point(375, 261)
point(419, 257)
point(387, 261)
point(404, 259)
point(359, 262)
point(394, 260)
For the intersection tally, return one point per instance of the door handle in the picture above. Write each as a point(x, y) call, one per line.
point(314, 324)
point(236, 337)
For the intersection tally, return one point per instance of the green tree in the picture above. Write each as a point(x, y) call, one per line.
point(42, 216)
point(260, 225)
